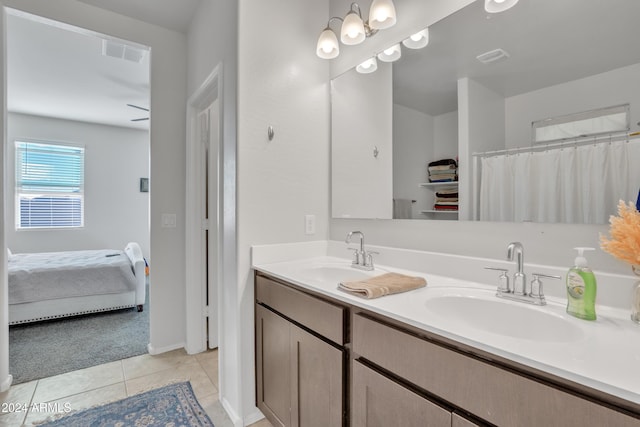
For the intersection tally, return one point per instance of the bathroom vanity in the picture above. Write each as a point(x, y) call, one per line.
point(326, 358)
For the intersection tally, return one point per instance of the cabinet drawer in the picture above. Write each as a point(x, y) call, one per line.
point(490, 392)
point(318, 315)
point(379, 402)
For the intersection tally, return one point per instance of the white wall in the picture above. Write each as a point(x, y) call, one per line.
point(480, 128)
point(616, 87)
point(167, 174)
point(212, 40)
point(361, 117)
point(445, 136)
point(281, 82)
point(413, 148)
point(116, 212)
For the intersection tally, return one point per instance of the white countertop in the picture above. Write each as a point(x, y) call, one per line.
point(604, 354)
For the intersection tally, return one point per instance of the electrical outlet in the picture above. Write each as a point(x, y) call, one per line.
point(309, 224)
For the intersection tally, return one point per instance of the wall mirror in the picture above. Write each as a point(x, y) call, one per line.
point(546, 59)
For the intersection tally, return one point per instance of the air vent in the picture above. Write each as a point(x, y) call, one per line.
point(492, 56)
point(122, 51)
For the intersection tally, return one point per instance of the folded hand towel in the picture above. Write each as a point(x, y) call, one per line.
point(386, 284)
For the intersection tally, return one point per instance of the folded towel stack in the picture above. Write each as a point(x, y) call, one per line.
point(385, 284)
point(446, 199)
point(445, 170)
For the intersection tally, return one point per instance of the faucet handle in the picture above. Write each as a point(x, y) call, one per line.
point(368, 258)
point(537, 292)
point(356, 255)
point(503, 287)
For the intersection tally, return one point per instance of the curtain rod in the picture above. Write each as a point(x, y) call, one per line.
point(573, 142)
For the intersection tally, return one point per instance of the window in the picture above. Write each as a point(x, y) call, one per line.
point(49, 185)
point(603, 121)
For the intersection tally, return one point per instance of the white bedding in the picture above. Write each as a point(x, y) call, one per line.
point(54, 275)
point(52, 285)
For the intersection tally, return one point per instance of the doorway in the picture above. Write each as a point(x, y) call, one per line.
point(203, 248)
point(68, 85)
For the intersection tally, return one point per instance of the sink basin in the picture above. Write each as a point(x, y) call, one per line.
point(480, 309)
point(336, 273)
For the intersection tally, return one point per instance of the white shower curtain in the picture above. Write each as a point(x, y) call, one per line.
point(570, 185)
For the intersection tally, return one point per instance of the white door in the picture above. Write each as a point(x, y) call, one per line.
point(209, 137)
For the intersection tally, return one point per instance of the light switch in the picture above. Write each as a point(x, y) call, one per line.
point(169, 220)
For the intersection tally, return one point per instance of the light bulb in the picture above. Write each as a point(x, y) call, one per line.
point(382, 14)
point(327, 47)
point(352, 31)
point(497, 6)
point(417, 40)
point(368, 66)
point(390, 54)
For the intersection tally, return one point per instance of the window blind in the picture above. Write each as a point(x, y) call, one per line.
point(49, 185)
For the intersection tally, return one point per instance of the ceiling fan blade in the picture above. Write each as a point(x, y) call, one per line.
point(140, 120)
point(139, 108)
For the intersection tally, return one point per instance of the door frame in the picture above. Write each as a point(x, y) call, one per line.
point(195, 253)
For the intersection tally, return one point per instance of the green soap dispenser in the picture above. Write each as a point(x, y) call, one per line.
point(581, 288)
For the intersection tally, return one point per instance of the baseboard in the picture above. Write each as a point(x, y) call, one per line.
point(233, 416)
point(253, 417)
point(153, 350)
point(4, 385)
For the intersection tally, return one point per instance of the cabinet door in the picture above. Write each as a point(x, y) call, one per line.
point(459, 421)
point(273, 349)
point(317, 372)
point(379, 402)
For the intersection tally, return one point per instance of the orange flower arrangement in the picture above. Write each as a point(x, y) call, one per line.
point(625, 235)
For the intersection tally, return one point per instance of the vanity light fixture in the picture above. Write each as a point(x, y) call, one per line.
point(368, 66)
point(417, 40)
point(390, 54)
point(328, 47)
point(354, 29)
point(497, 6)
point(382, 14)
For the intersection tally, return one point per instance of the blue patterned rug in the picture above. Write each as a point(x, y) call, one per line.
point(172, 405)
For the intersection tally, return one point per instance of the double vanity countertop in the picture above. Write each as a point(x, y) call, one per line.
point(603, 354)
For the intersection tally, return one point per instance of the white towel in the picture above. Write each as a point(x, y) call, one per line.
point(402, 208)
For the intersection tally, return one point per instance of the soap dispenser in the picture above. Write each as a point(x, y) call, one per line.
point(581, 288)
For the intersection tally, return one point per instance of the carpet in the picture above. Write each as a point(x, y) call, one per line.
point(172, 405)
point(43, 349)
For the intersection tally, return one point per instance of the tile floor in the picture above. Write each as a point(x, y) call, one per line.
point(116, 380)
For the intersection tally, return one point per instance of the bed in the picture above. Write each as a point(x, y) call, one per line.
point(52, 285)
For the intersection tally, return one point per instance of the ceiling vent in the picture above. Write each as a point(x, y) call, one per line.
point(122, 51)
point(492, 56)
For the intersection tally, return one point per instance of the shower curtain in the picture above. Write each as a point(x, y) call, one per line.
point(573, 184)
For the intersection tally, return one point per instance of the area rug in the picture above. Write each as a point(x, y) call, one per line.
point(172, 405)
point(44, 349)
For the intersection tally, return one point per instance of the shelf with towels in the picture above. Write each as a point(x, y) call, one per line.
point(439, 184)
point(438, 211)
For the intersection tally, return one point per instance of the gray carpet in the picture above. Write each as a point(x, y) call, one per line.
point(43, 349)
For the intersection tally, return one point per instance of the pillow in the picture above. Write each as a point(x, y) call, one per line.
point(9, 253)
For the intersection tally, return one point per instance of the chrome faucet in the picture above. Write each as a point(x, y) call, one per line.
point(521, 291)
point(362, 259)
point(519, 278)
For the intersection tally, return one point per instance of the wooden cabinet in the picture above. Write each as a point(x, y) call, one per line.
point(300, 374)
point(399, 375)
point(378, 401)
point(494, 394)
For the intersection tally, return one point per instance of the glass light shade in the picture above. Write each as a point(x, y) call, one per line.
point(418, 40)
point(328, 47)
point(390, 54)
point(368, 66)
point(497, 6)
point(352, 31)
point(382, 14)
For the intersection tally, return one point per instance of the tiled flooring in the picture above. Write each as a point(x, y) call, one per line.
point(116, 380)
